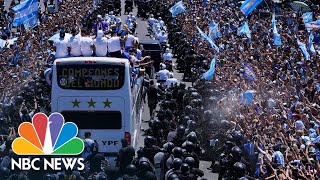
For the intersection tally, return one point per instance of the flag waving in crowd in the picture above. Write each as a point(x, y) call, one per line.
point(25, 11)
point(276, 35)
point(310, 44)
point(209, 74)
point(303, 48)
point(249, 73)
point(205, 37)
point(244, 29)
point(177, 9)
point(249, 5)
point(214, 31)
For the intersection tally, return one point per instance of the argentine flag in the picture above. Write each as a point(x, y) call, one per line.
point(214, 31)
point(249, 73)
point(31, 23)
point(25, 11)
point(244, 29)
point(249, 5)
point(276, 35)
point(310, 45)
point(209, 74)
point(303, 48)
point(205, 37)
point(307, 17)
point(177, 9)
point(273, 20)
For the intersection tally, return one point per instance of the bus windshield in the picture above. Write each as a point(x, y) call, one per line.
point(90, 76)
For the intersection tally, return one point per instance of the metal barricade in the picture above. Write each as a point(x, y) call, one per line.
point(137, 108)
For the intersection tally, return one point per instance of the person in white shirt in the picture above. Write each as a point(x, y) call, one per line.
point(110, 18)
point(136, 40)
point(151, 19)
point(163, 74)
point(171, 81)
point(162, 37)
point(114, 46)
point(87, 145)
point(129, 40)
point(61, 46)
point(86, 44)
point(167, 56)
point(130, 17)
point(100, 44)
point(157, 33)
point(161, 22)
point(74, 43)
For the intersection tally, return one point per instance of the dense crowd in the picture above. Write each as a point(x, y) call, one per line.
point(23, 62)
point(274, 136)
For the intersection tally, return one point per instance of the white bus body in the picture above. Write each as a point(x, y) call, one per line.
point(96, 94)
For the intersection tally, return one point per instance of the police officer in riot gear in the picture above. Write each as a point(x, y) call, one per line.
point(152, 93)
point(146, 170)
point(126, 154)
point(180, 137)
point(130, 173)
point(195, 171)
point(238, 170)
point(176, 153)
point(189, 153)
point(175, 168)
point(150, 149)
point(185, 173)
point(187, 66)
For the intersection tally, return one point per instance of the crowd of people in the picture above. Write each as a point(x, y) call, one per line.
point(24, 60)
point(273, 135)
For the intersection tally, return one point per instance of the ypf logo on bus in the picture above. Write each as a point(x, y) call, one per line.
point(48, 136)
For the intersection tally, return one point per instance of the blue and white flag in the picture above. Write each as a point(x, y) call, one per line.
point(209, 74)
point(248, 96)
point(276, 35)
point(249, 5)
point(273, 20)
point(31, 23)
point(310, 45)
point(205, 37)
point(303, 48)
point(25, 11)
point(249, 73)
point(277, 39)
point(244, 29)
point(307, 17)
point(177, 9)
point(214, 31)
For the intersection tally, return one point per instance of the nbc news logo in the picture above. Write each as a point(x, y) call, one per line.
point(48, 136)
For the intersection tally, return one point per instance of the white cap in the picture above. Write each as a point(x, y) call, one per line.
point(99, 16)
point(167, 50)
point(171, 75)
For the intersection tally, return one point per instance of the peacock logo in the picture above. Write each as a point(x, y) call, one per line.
point(48, 136)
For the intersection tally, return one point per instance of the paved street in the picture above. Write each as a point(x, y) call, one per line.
point(142, 33)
